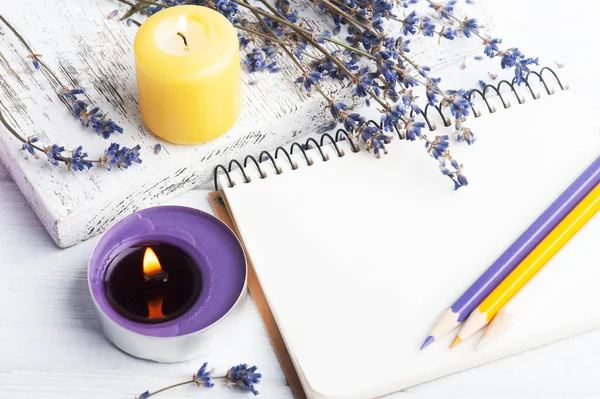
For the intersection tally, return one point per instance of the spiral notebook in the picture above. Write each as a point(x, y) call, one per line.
point(354, 258)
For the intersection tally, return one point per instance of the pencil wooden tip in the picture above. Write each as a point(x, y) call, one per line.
point(456, 341)
point(446, 323)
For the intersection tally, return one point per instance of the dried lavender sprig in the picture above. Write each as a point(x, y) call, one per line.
point(331, 40)
point(348, 17)
point(77, 160)
point(511, 58)
point(279, 18)
point(241, 376)
point(305, 74)
point(285, 49)
point(342, 114)
point(349, 47)
point(374, 137)
point(353, 122)
point(358, 26)
point(92, 117)
point(273, 38)
point(259, 34)
point(327, 54)
point(438, 148)
point(257, 11)
point(37, 62)
point(307, 37)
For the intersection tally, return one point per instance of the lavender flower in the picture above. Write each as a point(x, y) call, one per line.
point(310, 79)
point(514, 58)
point(437, 148)
point(35, 60)
point(228, 8)
point(145, 395)
point(375, 140)
point(244, 41)
point(90, 117)
point(392, 117)
point(78, 160)
point(244, 377)
point(352, 121)
point(444, 9)
point(413, 129)
point(427, 27)
point(463, 133)
point(405, 3)
point(337, 109)
point(448, 33)
point(409, 25)
point(459, 104)
point(121, 157)
point(457, 177)
point(469, 26)
point(491, 47)
point(261, 59)
point(54, 153)
point(203, 378)
point(27, 146)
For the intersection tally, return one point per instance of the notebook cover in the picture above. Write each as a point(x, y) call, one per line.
point(219, 203)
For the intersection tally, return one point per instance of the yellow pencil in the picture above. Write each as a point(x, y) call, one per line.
point(545, 250)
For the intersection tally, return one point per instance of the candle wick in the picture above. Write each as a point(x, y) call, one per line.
point(187, 48)
point(160, 277)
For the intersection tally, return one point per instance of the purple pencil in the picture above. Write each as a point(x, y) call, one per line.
point(511, 258)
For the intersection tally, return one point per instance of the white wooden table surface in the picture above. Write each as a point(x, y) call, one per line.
point(51, 347)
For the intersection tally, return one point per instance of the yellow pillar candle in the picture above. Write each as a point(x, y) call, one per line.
point(187, 63)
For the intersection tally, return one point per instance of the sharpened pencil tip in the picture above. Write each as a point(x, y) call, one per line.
point(430, 339)
point(456, 341)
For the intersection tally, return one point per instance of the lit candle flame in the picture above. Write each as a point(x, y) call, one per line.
point(182, 24)
point(153, 269)
point(151, 263)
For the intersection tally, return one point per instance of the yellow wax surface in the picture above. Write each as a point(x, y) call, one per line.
point(192, 94)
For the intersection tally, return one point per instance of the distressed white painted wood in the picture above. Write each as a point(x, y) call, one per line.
point(88, 50)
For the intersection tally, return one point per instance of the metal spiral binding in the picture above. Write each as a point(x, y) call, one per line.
point(342, 134)
point(483, 93)
point(266, 156)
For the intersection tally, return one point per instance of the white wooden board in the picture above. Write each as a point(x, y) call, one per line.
point(88, 50)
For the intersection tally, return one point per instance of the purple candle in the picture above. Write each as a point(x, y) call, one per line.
point(219, 281)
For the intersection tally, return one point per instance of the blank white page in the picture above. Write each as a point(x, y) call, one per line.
point(358, 257)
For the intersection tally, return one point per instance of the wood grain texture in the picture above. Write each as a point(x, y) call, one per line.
point(88, 50)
